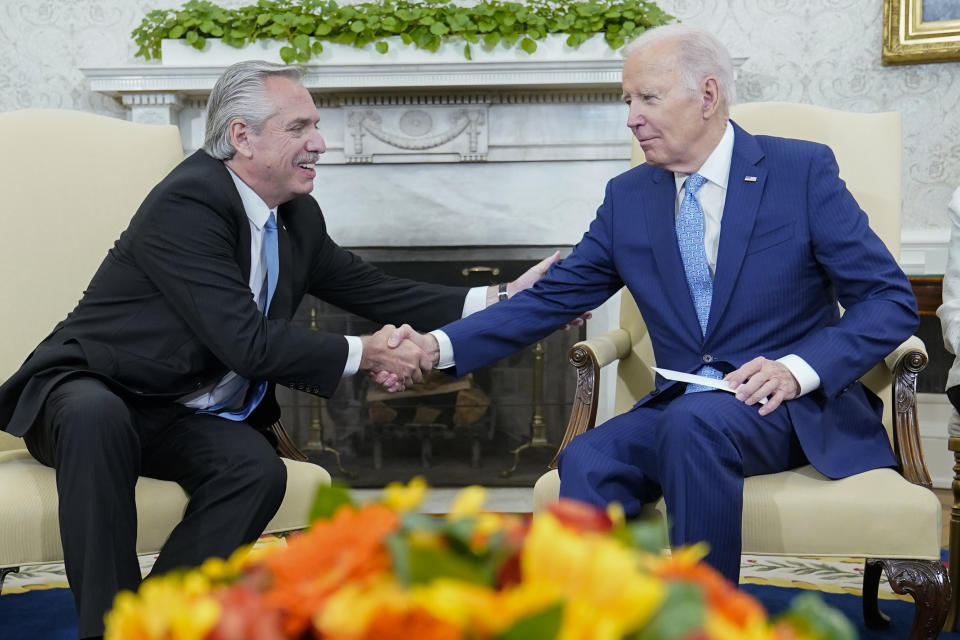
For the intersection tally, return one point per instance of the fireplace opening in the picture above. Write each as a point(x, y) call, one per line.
point(499, 426)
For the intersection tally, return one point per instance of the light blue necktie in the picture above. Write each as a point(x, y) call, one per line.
point(256, 390)
point(694, 255)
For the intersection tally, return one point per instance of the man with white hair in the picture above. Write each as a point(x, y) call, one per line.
point(737, 249)
point(166, 368)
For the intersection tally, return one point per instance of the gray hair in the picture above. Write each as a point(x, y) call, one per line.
point(240, 94)
point(700, 55)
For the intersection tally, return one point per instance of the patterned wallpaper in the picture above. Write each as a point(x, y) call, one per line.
point(823, 52)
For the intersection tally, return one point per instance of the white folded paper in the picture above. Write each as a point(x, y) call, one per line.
point(690, 378)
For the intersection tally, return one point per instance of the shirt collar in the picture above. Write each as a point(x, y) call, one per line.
point(716, 169)
point(253, 205)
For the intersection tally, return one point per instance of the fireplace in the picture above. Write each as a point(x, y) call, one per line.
point(452, 431)
point(437, 167)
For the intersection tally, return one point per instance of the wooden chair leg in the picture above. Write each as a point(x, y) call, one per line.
point(3, 574)
point(875, 619)
point(926, 581)
point(954, 546)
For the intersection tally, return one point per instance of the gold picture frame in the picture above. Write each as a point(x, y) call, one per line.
point(909, 39)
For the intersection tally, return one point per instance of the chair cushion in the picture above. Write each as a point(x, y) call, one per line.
point(876, 514)
point(29, 525)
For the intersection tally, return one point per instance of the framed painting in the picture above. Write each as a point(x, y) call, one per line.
point(920, 31)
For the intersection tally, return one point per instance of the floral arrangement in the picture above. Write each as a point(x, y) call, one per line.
point(382, 571)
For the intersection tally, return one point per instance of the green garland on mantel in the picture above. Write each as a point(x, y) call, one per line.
point(425, 24)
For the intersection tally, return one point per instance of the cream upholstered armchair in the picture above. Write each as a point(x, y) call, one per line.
point(891, 519)
point(70, 182)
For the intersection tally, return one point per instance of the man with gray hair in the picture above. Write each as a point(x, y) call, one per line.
point(737, 250)
point(166, 368)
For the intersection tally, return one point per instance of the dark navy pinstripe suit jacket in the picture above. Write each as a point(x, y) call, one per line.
point(793, 244)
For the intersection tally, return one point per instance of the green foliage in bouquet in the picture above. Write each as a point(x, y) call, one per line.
point(305, 24)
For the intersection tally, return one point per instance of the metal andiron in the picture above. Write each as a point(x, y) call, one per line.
point(316, 441)
point(538, 427)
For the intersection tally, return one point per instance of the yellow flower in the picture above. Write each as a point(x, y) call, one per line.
point(403, 498)
point(349, 611)
point(172, 607)
point(719, 627)
point(616, 514)
point(218, 569)
point(468, 502)
point(456, 602)
point(599, 577)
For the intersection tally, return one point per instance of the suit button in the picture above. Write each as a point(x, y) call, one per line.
point(197, 384)
point(707, 358)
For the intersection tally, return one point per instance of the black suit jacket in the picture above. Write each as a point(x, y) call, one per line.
point(170, 310)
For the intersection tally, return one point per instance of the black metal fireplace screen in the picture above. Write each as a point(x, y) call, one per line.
point(497, 427)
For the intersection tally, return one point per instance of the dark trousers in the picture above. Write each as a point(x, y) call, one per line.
point(694, 450)
point(99, 442)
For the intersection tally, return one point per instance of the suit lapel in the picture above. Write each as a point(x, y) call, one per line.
point(661, 225)
point(744, 188)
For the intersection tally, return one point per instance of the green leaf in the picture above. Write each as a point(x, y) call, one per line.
point(428, 563)
point(543, 625)
point(192, 36)
point(176, 32)
point(647, 536)
point(491, 39)
point(528, 45)
point(316, 47)
point(327, 499)
point(813, 618)
point(207, 25)
point(357, 26)
point(681, 614)
point(323, 29)
point(467, 52)
point(439, 29)
point(382, 46)
point(301, 42)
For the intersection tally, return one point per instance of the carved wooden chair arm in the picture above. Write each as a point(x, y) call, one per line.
point(285, 445)
point(589, 356)
point(905, 362)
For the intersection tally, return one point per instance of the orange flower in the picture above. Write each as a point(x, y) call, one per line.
point(735, 606)
point(345, 549)
point(411, 623)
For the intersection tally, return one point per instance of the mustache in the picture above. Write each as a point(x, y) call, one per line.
point(307, 158)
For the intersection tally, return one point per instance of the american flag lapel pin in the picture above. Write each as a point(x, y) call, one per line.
point(750, 178)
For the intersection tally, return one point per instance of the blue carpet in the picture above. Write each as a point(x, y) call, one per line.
point(47, 614)
point(44, 614)
point(776, 599)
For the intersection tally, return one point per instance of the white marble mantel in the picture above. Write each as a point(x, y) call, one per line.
point(430, 149)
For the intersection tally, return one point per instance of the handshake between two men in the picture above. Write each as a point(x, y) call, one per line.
point(397, 357)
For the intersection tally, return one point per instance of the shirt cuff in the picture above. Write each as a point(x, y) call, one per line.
point(446, 349)
point(354, 356)
point(806, 377)
point(476, 300)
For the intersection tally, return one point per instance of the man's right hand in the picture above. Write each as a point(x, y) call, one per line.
point(401, 364)
point(403, 336)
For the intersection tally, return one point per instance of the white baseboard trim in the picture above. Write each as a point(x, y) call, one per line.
point(924, 252)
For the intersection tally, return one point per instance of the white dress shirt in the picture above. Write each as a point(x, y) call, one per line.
point(231, 386)
point(712, 196)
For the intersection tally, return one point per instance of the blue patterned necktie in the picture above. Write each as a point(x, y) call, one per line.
point(256, 390)
point(694, 256)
